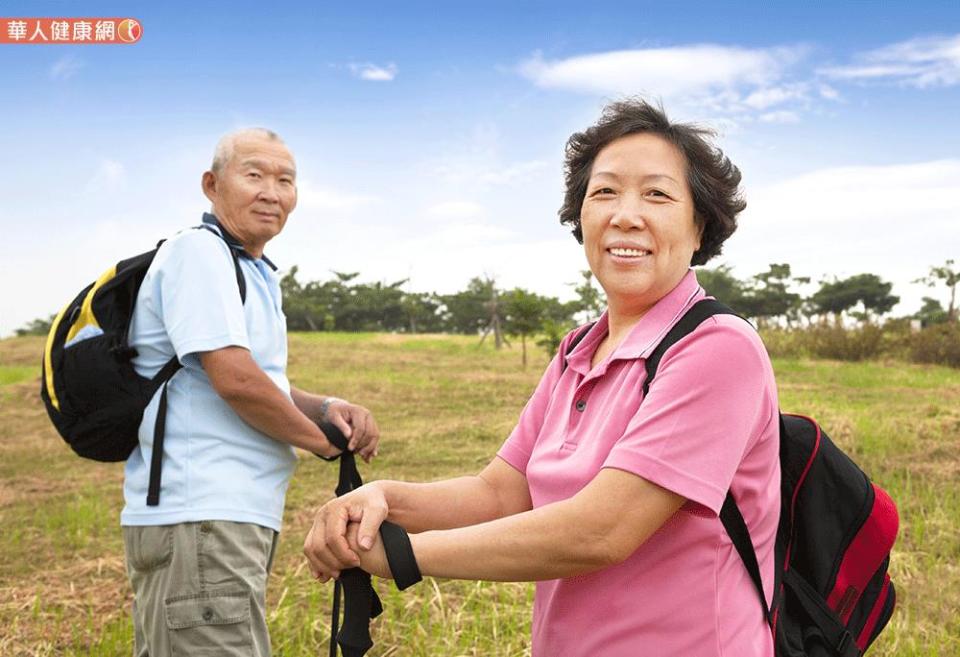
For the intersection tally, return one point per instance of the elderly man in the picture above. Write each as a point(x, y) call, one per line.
point(198, 554)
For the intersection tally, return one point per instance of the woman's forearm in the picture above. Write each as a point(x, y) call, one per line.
point(440, 505)
point(550, 542)
point(498, 491)
point(600, 526)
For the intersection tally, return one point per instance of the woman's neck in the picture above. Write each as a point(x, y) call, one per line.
point(619, 324)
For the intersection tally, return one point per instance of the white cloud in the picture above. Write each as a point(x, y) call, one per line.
point(764, 98)
point(373, 72)
point(65, 68)
point(109, 176)
point(894, 221)
point(780, 116)
point(676, 72)
point(828, 92)
point(511, 173)
point(921, 62)
point(315, 198)
point(456, 210)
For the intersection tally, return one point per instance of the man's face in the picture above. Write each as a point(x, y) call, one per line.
point(255, 191)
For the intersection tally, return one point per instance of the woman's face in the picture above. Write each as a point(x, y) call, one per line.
point(637, 221)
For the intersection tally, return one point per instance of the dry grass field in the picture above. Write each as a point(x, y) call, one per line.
point(444, 404)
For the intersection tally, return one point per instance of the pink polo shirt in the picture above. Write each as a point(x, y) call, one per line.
point(709, 424)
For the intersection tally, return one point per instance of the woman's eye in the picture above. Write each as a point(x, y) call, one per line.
point(602, 191)
point(657, 193)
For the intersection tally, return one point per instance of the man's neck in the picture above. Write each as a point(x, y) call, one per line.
point(252, 248)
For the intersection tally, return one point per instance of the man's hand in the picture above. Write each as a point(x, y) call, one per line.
point(327, 547)
point(357, 424)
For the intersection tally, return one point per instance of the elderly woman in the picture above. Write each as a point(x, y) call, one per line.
point(607, 499)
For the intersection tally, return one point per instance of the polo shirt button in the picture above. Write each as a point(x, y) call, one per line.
point(208, 614)
point(581, 404)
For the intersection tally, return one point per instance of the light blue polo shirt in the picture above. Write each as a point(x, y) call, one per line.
point(215, 465)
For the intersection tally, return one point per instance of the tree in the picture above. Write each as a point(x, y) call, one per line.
point(524, 315)
point(768, 296)
point(839, 296)
point(423, 312)
point(931, 312)
point(947, 275)
point(38, 326)
point(590, 301)
point(720, 283)
point(466, 311)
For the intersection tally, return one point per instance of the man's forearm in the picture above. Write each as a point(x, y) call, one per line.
point(309, 404)
point(259, 402)
point(264, 407)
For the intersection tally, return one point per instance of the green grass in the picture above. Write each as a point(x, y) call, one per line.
point(444, 403)
point(10, 374)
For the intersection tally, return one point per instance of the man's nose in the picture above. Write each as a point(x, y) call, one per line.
point(269, 191)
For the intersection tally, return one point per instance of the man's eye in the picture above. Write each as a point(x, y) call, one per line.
point(286, 181)
point(253, 174)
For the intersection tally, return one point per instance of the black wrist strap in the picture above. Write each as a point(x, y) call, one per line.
point(403, 563)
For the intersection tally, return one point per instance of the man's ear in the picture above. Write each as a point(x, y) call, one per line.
point(209, 185)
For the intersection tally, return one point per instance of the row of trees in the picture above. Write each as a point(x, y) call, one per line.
point(344, 304)
point(770, 298)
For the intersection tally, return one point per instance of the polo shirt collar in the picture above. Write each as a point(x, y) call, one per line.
point(644, 337)
point(232, 241)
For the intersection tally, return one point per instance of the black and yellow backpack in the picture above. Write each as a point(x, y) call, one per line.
point(91, 391)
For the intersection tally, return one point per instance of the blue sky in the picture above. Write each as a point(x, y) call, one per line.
point(429, 136)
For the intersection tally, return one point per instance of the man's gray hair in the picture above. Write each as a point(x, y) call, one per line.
point(224, 149)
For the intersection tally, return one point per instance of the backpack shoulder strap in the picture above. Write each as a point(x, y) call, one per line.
point(736, 527)
point(690, 321)
point(162, 378)
point(241, 281)
point(730, 515)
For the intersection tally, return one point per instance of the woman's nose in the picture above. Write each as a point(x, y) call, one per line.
point(629, 213)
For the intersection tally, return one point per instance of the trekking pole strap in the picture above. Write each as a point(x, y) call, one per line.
point(400, 557)
point(360, 600)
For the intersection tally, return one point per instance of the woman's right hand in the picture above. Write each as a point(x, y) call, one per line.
point(326, 547)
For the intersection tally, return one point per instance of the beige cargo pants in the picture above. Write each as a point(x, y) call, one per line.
point(199, 588)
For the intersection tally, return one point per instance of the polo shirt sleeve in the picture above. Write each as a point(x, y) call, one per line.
point(517, 448)
point(199, 299)
point(704, 410)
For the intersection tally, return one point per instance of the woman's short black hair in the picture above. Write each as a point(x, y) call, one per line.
point(713, 179)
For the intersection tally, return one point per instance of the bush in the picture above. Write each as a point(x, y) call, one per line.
point(785, 343)
point(939, 344)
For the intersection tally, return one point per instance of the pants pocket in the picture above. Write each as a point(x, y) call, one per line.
point(210, 623)
point(148, 548)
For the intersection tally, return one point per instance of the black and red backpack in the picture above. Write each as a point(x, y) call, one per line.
point(832, 594)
